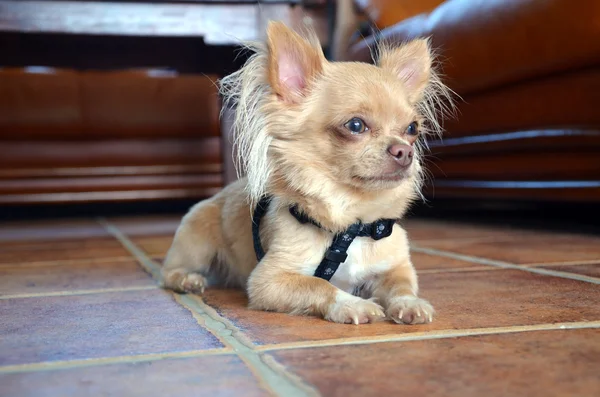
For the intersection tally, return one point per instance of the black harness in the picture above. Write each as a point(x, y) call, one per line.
point(337, 252)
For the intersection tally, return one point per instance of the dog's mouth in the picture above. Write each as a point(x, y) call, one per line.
point(393, 177)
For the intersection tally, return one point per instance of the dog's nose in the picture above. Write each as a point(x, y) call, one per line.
point(403, 154)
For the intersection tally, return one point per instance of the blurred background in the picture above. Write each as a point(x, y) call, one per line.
point(111, 107)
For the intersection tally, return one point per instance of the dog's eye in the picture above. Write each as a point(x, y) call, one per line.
point(412, 129)
point(356, 126)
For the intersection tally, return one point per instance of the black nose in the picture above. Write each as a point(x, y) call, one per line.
point(403, 154)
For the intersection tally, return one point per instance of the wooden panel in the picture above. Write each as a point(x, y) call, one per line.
point(97, 171)
point(44, 102)
point(58, 189)
point(216, 23)
point(68, 172)
point(39, 98)
point(111, 196)
point(124, 104)
point(35, 154)
point(113, 183)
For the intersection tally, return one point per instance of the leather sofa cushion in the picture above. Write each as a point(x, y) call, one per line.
point(570, 99)
point(386, 13)
point(488, 43)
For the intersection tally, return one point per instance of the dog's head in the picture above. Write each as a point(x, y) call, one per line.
point(307, 124)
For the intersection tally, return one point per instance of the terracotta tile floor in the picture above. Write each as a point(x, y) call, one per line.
point(81, 315)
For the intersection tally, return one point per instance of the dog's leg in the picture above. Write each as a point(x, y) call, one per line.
point(293, 293)
point(397, 290)
point(193, 250)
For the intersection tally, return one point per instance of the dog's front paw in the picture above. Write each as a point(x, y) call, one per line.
point(410, 310)
point(182, 281)
point(349, 309)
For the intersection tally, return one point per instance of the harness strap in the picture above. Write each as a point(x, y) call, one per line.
point(259, 213)
point(337, 253)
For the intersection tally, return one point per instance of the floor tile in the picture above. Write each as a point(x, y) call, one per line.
point(41, 251)
point(201, 376)
point(439, 263)
point(424, 230)
point(99, 325)
point(27, 279)
point(155, 245)
point(592, 270)
point(50, 230)
point(147, 225)
point(476, 299)
point(552, 363)
point(530, 249)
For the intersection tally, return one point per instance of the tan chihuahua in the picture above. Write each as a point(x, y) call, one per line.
point(332, 157)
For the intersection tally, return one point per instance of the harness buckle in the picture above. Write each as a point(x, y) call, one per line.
point(338, 257)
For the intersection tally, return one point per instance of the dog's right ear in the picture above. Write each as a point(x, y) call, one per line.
point(293, 62)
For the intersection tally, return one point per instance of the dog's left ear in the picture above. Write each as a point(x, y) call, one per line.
point(411, 62)
point(293, 62)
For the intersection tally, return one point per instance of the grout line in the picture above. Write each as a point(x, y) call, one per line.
point(506, 265)
point(570, 263)
point(91, 362)
point(69, 262)
point(463, 239)
point(78, 292)
point(418, 336)
point(200, 310)
point(277, 380)
point(457, 270)
point(142, 258)
point(274, 378)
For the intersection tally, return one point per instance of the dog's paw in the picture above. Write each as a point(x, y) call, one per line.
point(349, 309)
point(192, 283)
point(410, 310)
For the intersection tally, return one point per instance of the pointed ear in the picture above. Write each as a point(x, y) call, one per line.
point(411, 62)
point(293, 62)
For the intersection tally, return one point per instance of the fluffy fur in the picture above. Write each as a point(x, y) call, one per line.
point(294, 143)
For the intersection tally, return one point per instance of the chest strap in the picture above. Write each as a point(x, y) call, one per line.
point(337, 253)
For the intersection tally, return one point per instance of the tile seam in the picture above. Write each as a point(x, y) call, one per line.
point(506, 265)
point(462, 240)
point(568, 263)
point(457, 270)
point(75, 262)
point(443, 334)
point(222, 334)
point(277, 380)
point(92, 362)
point(138, 254)
point(92, 291)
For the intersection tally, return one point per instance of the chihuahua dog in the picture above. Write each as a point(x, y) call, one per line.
point(331, 153)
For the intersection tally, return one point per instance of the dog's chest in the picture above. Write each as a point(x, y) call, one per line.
point(361, 264)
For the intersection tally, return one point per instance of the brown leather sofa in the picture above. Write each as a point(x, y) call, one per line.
point(70, 136)
point(528, 72)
